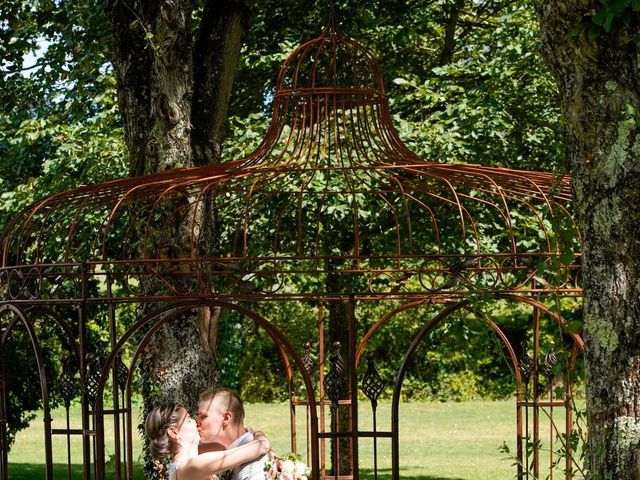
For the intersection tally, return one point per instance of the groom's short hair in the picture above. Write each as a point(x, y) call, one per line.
point(226, 399)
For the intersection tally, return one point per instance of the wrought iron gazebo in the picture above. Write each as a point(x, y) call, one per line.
point(330, 210)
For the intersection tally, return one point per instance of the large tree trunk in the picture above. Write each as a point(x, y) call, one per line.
point(174, 86)
point(598, 82)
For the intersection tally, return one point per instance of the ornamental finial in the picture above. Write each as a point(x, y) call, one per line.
point(332, 24)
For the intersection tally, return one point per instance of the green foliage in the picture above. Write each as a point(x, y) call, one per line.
point(262, 371)
point(59, 128)
point(609, 17)
point(614, 14)
point(444, 366)
point(462, 359)
point(45, 155)
point(230, 349)
point(53, 53)
point(248, 133)
point(21, 371)
point(574, 445)
point(478, 108)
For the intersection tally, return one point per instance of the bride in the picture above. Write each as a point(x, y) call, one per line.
point(173, 433)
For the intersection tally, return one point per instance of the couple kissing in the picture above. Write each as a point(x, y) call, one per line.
point(216, 443)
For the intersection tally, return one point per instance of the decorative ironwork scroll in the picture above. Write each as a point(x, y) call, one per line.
point(335, 386)
point(525, 362)
point(335, 382)
point(550, 360)
point(308, 362)
point(372, 383)
point(123, 373)
point(92, 378)
point(66, 383)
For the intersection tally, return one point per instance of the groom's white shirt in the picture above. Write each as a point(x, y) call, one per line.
point(253, 470)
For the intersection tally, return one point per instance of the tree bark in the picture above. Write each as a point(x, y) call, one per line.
point(223, 27)
point(174, 86)
point(132, 62)
point(454, 11)
point(598, 82)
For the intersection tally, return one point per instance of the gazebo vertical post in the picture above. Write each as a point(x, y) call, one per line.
point(549, 362)
point(372, 386)
point(519, 431)
point(310, 368)
point(82, 334)
point(4, 459)
point(336, 388)
point(48, 447)
point(353, 384)
point(115, 384)
point(68, 437)
point(536, 393)
point(292, 419)
point(321, 403)
point(128, 447)
point(569, 404)
point(315, 461)
point(525, 365)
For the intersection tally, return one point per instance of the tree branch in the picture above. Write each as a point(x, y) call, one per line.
point(216, 54)
point(449, 44)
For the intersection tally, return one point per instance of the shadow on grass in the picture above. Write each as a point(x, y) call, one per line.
point(32, 471)
point(385, 474)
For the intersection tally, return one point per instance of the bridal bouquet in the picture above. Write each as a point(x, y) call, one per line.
point(290, 467)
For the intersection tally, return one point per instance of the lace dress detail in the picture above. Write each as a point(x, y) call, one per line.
point(172, 474)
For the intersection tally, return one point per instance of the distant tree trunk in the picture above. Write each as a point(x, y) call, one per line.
point(174, 85)
point(338, 314)
point(449, 41)
point(598, 79)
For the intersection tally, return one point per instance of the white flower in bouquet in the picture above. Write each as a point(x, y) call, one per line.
point(301, 470)
point(290, 467)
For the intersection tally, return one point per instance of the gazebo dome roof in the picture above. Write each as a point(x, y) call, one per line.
point(330, 190)
point(331, 61)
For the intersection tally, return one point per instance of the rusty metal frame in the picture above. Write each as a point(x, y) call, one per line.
point(414, 232)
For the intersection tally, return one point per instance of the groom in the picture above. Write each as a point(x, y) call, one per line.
point(221, 421)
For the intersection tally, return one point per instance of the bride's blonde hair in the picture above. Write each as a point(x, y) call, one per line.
point(156, 426)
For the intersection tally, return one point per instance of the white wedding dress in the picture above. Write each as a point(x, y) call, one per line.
point(172, 474)
point(173, 469)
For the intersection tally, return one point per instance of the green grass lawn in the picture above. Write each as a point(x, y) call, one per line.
point(438, 441)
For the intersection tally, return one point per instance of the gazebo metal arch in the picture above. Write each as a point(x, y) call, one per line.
point(332, 195)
